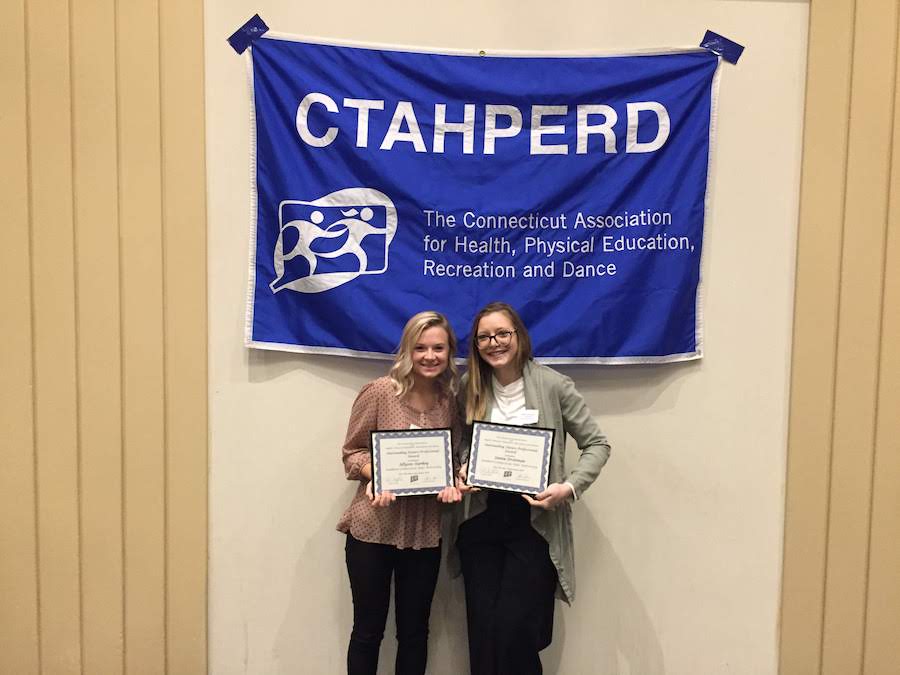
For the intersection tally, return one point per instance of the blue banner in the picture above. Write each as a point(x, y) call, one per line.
point(388, 182)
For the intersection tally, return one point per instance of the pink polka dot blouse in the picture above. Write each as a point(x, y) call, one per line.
point(410, 522)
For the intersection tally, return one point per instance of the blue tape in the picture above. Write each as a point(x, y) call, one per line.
point(728, 50)
point(244, 36)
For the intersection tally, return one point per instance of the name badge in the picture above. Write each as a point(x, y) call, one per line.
point(526, 417)
point(521, 418)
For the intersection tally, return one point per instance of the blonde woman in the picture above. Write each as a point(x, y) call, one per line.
point(389, 537)
point(516, 550)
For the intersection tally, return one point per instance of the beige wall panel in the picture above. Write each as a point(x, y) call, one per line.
point(184, 232)
point(97, 286)
point(18, 563)
point(55, 372)
point(883, 598)
point(142, 336)
point(868, 166)
point(91, 225)
point(815, 331)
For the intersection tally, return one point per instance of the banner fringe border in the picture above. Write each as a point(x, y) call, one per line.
point(476, 52)
point(707, 206)
point(254, 205)
point(559, 360)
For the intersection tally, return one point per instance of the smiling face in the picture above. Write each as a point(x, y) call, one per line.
point(498, 345)
point(431, 353)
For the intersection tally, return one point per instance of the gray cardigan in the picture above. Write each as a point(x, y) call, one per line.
point(560, 407)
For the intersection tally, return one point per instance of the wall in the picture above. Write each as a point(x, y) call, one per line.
point(679, 544)
point(103, 401)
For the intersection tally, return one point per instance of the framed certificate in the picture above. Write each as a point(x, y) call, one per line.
point(411, 461)
point(510, 457)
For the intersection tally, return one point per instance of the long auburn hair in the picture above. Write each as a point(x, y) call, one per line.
point(480, 371)
point(401, 372)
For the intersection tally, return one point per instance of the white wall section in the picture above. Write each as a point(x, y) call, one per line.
point(679, 544)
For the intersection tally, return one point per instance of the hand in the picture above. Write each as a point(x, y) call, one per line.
point(461, 476)
point(549, 499)
point(449, 495)
point(380, 500)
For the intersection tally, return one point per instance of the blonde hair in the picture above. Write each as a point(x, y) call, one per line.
point(480, 371)
point(401, 373)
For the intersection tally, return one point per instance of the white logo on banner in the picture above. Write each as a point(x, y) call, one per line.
point(327, 242)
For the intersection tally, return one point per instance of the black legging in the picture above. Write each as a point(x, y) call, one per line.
point(415, 572)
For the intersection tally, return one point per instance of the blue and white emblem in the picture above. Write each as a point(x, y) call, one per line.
point(329, 241)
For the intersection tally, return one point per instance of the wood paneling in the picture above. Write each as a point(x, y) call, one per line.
point(54, 339)
point(184, 253)
point(865, 214)
point(883, 597)
point(815, 335)
point(94, 124)
point(18, 542)
point(143, 385)
point(841, 585)
point(103, 488)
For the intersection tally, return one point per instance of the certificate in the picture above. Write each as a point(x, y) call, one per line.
point(510, 457)
point(411, 461)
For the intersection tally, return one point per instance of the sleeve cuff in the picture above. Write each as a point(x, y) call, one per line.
point(574, 493)
point(355, 466)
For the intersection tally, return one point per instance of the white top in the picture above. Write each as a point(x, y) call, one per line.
point(509, 401)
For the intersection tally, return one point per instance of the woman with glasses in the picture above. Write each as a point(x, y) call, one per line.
point(389, 537)
point(516, 550)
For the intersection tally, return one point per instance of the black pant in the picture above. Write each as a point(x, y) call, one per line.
point(510, 585)
point(415, 572)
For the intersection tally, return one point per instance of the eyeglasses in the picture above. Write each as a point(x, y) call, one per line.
point(501, 337)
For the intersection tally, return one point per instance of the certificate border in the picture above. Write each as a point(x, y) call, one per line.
point(516, 428)
point(374, 451)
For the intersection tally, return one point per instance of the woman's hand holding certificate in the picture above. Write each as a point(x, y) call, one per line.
point(553, 496)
